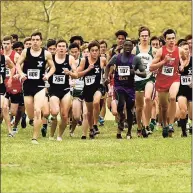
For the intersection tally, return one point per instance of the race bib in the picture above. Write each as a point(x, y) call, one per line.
point(33, 74)
point(89, 80)
point(186, 80)
point(123, 70)
point(168, 70)
point(58, 79)
point(79, 84)
point(7, 72)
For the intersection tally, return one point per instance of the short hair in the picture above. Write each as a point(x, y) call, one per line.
point(73, 38)
point(51, 43)
point(6, 38)
point(84, 47)
point(161, 39)
point(15, 36)
point(74, 45)
point(183, 43)
point(18, 45)
point(37, 34)
point(103, 42)
point(60, 41)
point(143, 28)
point(27, 39)
point(154, 38)
point(179, 41)
point(169, 31)
point(93, 44)
point(188, 37)
point(121, 32)
point(134, 41)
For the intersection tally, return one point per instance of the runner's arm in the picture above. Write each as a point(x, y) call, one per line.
point(111, 63)
point(51, 65)
point(139, 67)
point(73, 73)
point(10, 65)
point(156, 63)
point(183, 59)
point(20, 62)
point(80, 69)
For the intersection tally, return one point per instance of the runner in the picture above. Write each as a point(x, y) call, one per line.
point(36, 60)
point(91, 68)
point(4, 108)
point(59, 91)
point(184, 96)
point(78, 104)
point(126, 66)
point(168, 79)
point(144, 86)
point(27, 42)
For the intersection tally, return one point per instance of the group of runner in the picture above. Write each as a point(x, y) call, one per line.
point(149, 80)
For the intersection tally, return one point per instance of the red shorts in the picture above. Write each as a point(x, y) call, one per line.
point(164, 85)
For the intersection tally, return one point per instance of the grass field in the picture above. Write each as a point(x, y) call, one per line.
point(101, 165)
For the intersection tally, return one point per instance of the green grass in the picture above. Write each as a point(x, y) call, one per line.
point(101, 165)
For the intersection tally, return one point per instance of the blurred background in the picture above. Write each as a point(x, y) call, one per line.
point(94, 19)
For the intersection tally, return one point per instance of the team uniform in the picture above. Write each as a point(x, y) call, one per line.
point(93, 81)
point(34, 68)
point(168, 73)
point(2, 75)
point(59, 82)
point(14, 93)
point(185, 82)
point(146, 60)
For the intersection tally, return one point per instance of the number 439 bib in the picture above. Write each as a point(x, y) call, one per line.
point(123, 70)
point(168, 70)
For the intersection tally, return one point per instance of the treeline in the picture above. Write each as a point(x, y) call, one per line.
point(94, 19)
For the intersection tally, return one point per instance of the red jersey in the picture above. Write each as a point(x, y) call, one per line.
point(16, 84)
point(168, 73)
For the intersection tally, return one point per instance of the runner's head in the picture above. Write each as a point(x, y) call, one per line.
point(170, 37)
point(103, 46)
point(121, 37)
point(84, 50)
point(144, 34)
point(61, 47)
point(7, 43)
point(154, 42)
point(74, 49)
point(93, 49)
point(36, 40)
point(185, 47)
point(128, 46)
point(18, 47)
point(27, 42)
point(76, 39)
point(188, 38)
point(15, 38)
point(51, 46)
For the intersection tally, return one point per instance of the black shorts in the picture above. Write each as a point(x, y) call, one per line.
point(2, 89)
point(15, 98)
point(31, 91)
point(77, 94)
point(89, 93)
point(58, 93)
point(185, 91)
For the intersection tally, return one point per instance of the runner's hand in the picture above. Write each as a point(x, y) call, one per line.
point(23, 77)
point(45, 77)
point(9, 82)
point(90, 67)
point(181, 68)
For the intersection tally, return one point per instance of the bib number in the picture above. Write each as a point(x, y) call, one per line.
point(123, 70)
point(59, 79)
point(89, 80)
point(33, 74)
point(168, 71)
point(186, 80)
point(7, 72)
